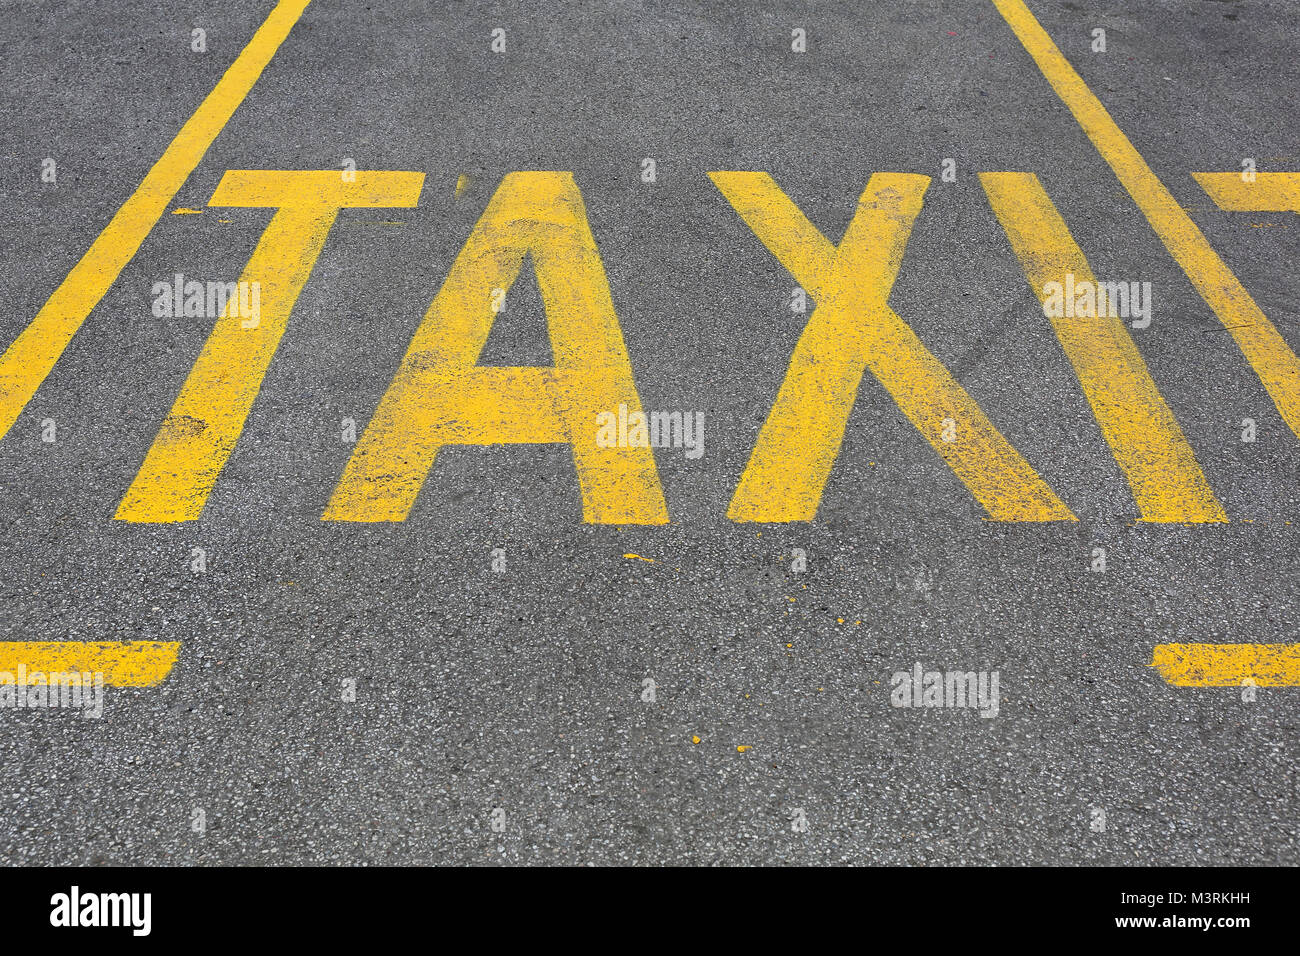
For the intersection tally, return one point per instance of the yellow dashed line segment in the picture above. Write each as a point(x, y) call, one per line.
point(1228, 665)
point(123, 663)
point(1268, 192)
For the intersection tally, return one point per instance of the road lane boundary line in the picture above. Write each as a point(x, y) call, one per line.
point(32, 356)
point(28, 361)
point(1262, 345)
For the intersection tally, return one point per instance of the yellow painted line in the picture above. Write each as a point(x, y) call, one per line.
point(123, 663)
point(1269, 192)
point(201, 431)
point(27, 362)
point(1264, 348)
point(441, 397)
point(853, 329)
point(1228, 665)
point(1144, 437)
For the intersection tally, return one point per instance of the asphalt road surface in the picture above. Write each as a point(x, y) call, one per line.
point(496, 679)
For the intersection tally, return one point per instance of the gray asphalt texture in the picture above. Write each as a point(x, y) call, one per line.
point(522, 691)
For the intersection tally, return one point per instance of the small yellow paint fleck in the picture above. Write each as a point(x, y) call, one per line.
point(695, 739)
point(187, 212)
point(742, 748)
point(840, 619)
point(461, 182)
point(789, 645)
point(790, 599)
point(639, 558)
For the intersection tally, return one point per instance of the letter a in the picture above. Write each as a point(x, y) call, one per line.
point(440, 396)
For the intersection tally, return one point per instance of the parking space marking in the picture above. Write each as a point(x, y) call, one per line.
point(1263, 346)
point(1266, 192)
point(28, 361)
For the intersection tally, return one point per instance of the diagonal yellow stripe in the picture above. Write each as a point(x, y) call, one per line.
point(123, 663)
point(27, 362)
point(1228, 665)
point(1264, 348)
